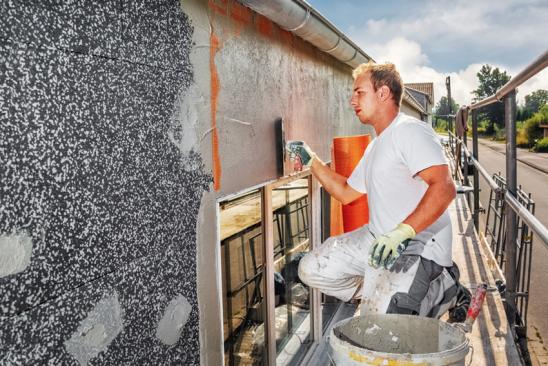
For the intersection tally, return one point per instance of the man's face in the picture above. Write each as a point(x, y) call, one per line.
point(365, 100)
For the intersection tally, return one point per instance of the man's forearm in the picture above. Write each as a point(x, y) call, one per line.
point(435, 201)
point(334, 182)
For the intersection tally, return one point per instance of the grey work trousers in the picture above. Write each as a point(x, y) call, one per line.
point(339, 267)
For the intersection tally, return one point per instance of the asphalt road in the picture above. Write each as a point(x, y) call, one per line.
point(535, 182)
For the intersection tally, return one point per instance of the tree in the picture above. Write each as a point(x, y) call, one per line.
point(442, 108)
point(522, 114)
point(535, 101)
point(490, 80)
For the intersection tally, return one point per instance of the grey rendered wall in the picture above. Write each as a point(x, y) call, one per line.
point(99, 196)
point(264, 73)
point(409, 110)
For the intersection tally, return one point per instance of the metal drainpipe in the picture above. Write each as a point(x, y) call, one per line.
point(466, 181)
point(511, 217)
point(298, 17)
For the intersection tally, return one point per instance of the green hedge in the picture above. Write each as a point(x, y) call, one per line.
point(531, 127)
point(541, 145)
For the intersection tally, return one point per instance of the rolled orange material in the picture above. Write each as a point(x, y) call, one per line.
point(337, 227)
point(348, 151)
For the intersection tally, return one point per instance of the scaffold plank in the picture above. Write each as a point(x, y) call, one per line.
point(491, 339)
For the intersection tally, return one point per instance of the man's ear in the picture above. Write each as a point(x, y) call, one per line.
point(384, 92)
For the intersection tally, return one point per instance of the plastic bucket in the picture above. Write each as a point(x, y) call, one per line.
point(392, 339)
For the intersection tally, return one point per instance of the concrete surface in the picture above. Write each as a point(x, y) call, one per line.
point(538, 161)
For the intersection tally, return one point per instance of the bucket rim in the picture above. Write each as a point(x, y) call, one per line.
point(461, 349)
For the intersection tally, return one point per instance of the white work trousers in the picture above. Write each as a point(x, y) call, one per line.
point(339, 267)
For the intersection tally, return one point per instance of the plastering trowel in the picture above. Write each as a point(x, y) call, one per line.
point(280, 146)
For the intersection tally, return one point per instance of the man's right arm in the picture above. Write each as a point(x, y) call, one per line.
point(334, 183)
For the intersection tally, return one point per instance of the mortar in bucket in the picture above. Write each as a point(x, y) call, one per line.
point(396, 340)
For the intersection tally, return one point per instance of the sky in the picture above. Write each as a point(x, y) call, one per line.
point(429, 40)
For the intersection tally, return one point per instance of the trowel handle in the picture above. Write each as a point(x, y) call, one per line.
point(477, 302)
point(475, 307)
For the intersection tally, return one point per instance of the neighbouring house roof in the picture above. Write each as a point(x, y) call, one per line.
point(425, 88)
point(410, 99)
point(421, 98)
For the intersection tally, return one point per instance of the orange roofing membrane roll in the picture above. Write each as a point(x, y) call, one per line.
point(348, 151)
point(336, 223)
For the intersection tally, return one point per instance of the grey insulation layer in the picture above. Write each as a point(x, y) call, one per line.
point(300, 18)
point(96, 198)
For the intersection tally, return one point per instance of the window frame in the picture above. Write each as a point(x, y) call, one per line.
point(267, 227)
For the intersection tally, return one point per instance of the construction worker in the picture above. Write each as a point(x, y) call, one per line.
point(401, 261)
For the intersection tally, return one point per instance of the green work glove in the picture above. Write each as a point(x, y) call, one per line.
point(388, 247)
point(299, 149)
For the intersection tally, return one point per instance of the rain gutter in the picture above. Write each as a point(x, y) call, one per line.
point(300, 18)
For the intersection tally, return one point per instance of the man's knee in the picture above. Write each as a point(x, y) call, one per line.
point(313, 262)
point(404, 303)
point(429, 287)
point(307, 268)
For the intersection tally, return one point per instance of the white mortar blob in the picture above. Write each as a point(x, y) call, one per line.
point(96, 331)
point(184, 124)
point(15, 253)
point(174, 319)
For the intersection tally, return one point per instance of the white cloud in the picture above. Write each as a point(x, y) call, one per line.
point(455, 38)
point(539, 81)
point(413, 65)
point(462, 28)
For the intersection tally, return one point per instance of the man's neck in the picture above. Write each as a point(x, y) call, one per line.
point(385, 119)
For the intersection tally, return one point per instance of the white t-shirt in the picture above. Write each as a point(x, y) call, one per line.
point(387, 173)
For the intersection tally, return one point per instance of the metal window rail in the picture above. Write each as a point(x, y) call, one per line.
point(527, 217)
point(492, 184)
point(534, 68)
point(508, 94)
point(494, 221)
point(520, 210)
point(495, 233)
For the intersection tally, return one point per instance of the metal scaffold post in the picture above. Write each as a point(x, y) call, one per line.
point(475, 154)
point(511, 217)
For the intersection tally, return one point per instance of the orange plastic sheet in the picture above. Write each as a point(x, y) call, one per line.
point(347, 152)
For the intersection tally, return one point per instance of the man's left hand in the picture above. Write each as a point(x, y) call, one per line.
point(388, 247)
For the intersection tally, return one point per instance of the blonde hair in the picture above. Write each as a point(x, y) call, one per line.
point(382, 74)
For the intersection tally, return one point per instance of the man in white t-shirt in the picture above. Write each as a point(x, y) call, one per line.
point(401, 261)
